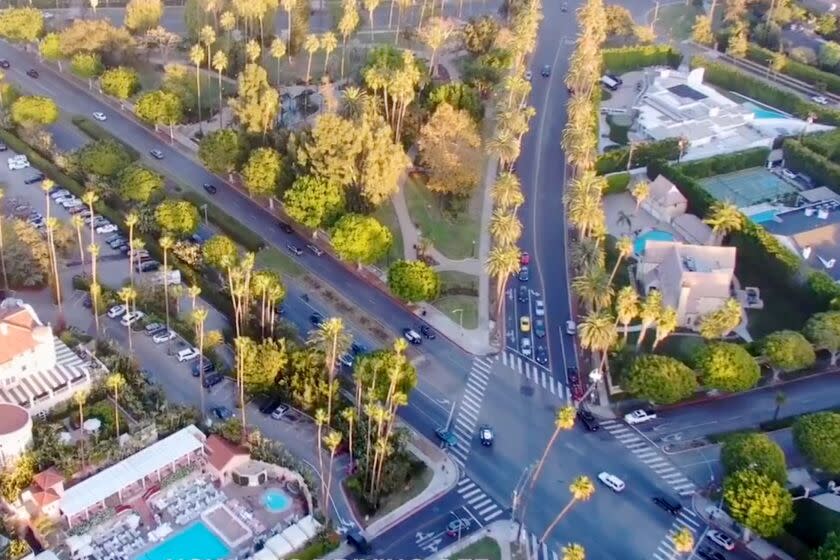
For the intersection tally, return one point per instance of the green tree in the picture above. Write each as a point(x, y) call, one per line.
point(121, 82)
point(360, 239)
point(219, 252)
point(95, 35)
point(756, 452)
point(830, 549)
point(311, 44)
point(329, 42)
point(829, 55)
point(435, 35)
point(21, 25)
point(115, 382)
point(18, 548)
point(105, 158)
point(818, 438)
point(450, 149)
point(314, 202)
point(381, 162)
point(573, 551)
point(220, 64)
point(823, 330)
point(142, 15)
point(160, 108)
point(277, 50)
point(86, 65)
point(701, 32)
point(787, 351)
point(257, 102)
point(177, 217)
point(262, 363)
point(758, 502)
point(34, 111)
point(724, 218)
point(581, 490)
point(721, 321)
point(138, 184)
point(728, 367)
point(261, 173)
point(50, 48)
point(479, 35)
point(18, 476)
point(413, 281)
point(222, 151)
point(348, 23)
point(660, 379)
point(738, 40)
point(332, 150)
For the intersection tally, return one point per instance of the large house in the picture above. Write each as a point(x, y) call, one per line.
point(813, 233)
point(693, 279)
point(665, 201)
point(37, 370)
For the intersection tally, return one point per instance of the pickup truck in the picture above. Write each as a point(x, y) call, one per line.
point(639, 416)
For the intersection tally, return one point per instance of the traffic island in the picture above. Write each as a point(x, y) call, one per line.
point(496, 541)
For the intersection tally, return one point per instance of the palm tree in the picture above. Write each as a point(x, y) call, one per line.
point(501, 263)
point(370, 6)
point(624, 246)
point(401, 5)
point(331, 338)
point(77, 221)
point(90, 197)
point(227, 21)
point(780, 399)
point(277, 50)
point(95, 288)
point(722, 321)
point(128, 294)
point(80, 398)
point(311, 44)
point(593, 288)
point(52, 225)
point(220, 64)
point(320, 420)
point(329, 42)
point(115, 382)
point(94, 4)
point(573, 551)
point(665, 325)
point(505, 146)
point(332, 441)
point(724, 217)
point(507, 192)
point(207, 35)
point(166, 244)
point(196, 57)
point(640, 192)
point(683, 541)
point(3, 248)
point(626, 307)
point(624, 218)
point(649, 312)
point(435, 36)
point(597, 333)
point(131, 220)
point(581, 489)
point(346, 25)
point(349, 415)
point(505, 228)
point(199, 316)
point(587, 255)
point(564, 420)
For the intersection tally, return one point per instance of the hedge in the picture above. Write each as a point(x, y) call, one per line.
point(617, 183)
point(625, 59)
point(96, 132)
point(729, 78)
point(221, 219)
point(799, 157)
point(726, 163)
point(795, 69)
point(825, 143)
point(616, 160)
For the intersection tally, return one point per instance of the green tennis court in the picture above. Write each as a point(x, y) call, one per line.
point(747, 187)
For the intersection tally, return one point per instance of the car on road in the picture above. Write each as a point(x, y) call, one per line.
point(153, 328)
point(528, 75)
point(611, 481)
point(116, 311)
point(539, 328)
point(539, 308)
point(721, 539)
point(157, 154)
point(187, 354)
point(164, 336)
point(212, 380)
point(446, 437)
point(131, 317)
point(280, 411)
point(571, 328)
point(37, 178)
point(358, 541)
point(485, 435)
point(316, 319)
point(347, 359)
point(107, 228)
point(819, 99)
point(222, 413)
point(99, 116)
point(546, 71)
point(669, 505)
point(525, 324)
point(572, 375)
point(639, 416)
point(564, 7)
point(4, 63)
point(314, 249)
point(358, 348)
point(457, 526)
point(706, 553)
point(522, 294)
point(541, 355)
point(412, 336)
point(205, 365)
point(524, 274)
point(525, 347)
point(285, 228)
point(524, 258)
point(32, 73)
point(588, 419)
point(427, 332)
point(294, 249)
point(211, 189)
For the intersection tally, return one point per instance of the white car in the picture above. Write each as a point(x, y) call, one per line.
point(788, 173)
point(116, 311)
point(611, 481)
point(721, 539)
point(60, 193)
point(539, 308)
point(639, 417)
point(100, 116)
point(131, 317)
point(525, 347)
point(17, 164)
point(571, 328)
point(820, 100)
point(165, 336)
point(187, 354)
point(107, 228)
point(71, 202)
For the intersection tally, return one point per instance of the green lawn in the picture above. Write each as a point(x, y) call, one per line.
point(676, 20)
point(682, 348)
point(294, 72)
point(388, 217)
point(486, 549)
point(618, 130)
point(458, 283)
point(468, 306)
point(415, 486)
point(151, 79)
point(453, 234)
point(273, 259)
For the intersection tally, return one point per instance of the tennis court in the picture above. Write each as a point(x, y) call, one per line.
point(747, 187)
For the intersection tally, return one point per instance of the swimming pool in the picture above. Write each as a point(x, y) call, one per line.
point(275, 500)
point(765, 216)
point(763, 112)
point(652, 235)
point(196, 541)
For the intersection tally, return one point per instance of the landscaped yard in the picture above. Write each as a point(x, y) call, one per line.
point(151, 79)
point(486, 549)
point(780, 310)
point(677, 20)
point(388, 217)
point(453, 234)
point(418, 482)
point(459, 291)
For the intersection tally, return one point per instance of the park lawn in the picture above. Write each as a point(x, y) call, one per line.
point(458, 282)
point(416, 484)
point(454, 236)
point(468, 306)
point(387, 216)
point(676, 20)
point(151, 79)
point(486, 549)
point(273, 259)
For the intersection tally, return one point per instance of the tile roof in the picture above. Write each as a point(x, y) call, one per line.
point(17, 331)
point(220, 452)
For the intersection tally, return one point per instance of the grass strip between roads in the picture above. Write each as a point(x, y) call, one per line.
point(486, 549)
point(96, 132)
point(222, 220)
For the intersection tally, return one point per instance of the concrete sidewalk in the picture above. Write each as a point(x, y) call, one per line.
point(503, 532)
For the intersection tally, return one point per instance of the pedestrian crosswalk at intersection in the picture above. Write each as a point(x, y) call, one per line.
point(465, 424)
point(686, 519)
point(481, 506)
point(535, 373)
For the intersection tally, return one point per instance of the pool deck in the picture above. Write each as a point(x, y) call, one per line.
point(226, 525)
point(616, 204)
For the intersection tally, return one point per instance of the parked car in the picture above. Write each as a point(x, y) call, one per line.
point(107, 228)
point(788, 173)
point(165, 336)
point(37, 178)
point(271, 405)
point(314, 249)
point(131, 317)
point(187, 354)
point(116, 311)
point(205, 365)
point(147, 266)
point(154, 328)
point(721, 539)
point(294, 249)
point(539, 308)
point(285, 228)
point(99, 116)
point(819, 99)
point(222, 413)
point(671, 506)
point(427, 332)
point(280, 411)
point(4, 63)
point(59, 193)
point(212, 380)
point(412, 336)
point(588, 419)
point(528, 75)
point(157, 154)
point(32, 73)
point(211, 189)
point(78, 210)
point(611, 481)
point(639, 416)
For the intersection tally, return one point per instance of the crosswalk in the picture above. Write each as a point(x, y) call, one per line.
point(480, 505)
point(534, 372)
point(650, 456)
point(466, 420)
point(686, 519)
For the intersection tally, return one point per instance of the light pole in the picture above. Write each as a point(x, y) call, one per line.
point(595, 377)
point(204, 207)
point(460, 313)
point(518, 492)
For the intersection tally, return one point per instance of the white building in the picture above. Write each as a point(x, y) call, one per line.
point(15, 432)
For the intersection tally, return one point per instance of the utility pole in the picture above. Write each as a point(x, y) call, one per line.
point(449, 419)
point(518, 496)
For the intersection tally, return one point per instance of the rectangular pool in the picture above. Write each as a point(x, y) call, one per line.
point(196, 541)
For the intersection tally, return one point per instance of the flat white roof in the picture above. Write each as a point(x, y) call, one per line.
point(97, 488)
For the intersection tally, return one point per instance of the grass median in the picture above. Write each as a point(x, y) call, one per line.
point(96, 132)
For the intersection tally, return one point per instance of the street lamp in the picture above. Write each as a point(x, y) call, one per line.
point(204, 207)
point(595, 377)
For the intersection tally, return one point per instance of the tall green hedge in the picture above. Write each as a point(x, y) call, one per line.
point(616, 160)
point(795, 69)
point(726, 163)
point(801, 158)
point(730, 78)
point(617, 183)
point(625, 59)
point(825, 143)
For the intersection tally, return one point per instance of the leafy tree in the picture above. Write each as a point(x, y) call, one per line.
point(787, 351)
point(95, 35)
point(830, 549)
point(619, 21)
point(462, 97)
point(755, 452)
point(450, 148)
point(360, 239)
point(660, 379)
point(701, 32)
point(17, 477)
point(313, 202)
point(261, 172)
point(728, 367)
point(177, 217)
point(50, 48)
point(262, 363)
point(86, 65)
point(222, 151)
point(142, 15)
point(121, 82)
point(138, 184)
point(21, 25)
point(332, 149)
point(219, 252)
point(738, 40)
point(818, 438)
point(829, 55)
point(160, 108)
point(758, 502)
point(18, 548)
point(257, 102)
point(27, 255)
point(479, 34)
point(823, 288)
point(413, 281)
point(823, 330)
point(34, 111)
point(381, 162)
point(103, 157)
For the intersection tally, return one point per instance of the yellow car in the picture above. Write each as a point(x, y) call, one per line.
point(525, 324)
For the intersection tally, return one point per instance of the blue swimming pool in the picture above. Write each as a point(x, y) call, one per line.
point(275, 500)
point(652, 235)
point(761, 217)
point(763, 112)
point(196, 541)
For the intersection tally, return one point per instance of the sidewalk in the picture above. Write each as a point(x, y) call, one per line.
point(503, 532)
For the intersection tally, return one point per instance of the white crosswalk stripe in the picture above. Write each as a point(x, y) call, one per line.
point(536, 374)
point(479, 504)
point(686, 519)
point(466, 419)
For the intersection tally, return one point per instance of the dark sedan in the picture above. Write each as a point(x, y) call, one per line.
point(211, 189)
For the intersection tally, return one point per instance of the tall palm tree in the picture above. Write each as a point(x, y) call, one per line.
point(649, 312)
point(220, 64)
point(320, 420)
point(166, 244)
point(435, 36)
point(665, 325)
point(311, 44)
point(207, 36)
point(587, 255)
point(346, 26)
point(90, 197)
point(277, 50)
point(52, 225)
point(564, 420)
point(640, 192)
point(80, 397)
point(507, 192)
point(624, 246)
point(77, 221)
point(331, 338)
point(332, 441)
point(349, 416)
point(505, 146)
point(199, 316)
point(626, 307)
point(227, 21)
point(329, 42)
point(95, 288)
point(573, 551)
point(597, 333)
point(581, 489)
point(131, 220)
point(3, 248)
point(128, 294)
point(501, 263)
point(197, 57)
point(593, 288)
point(683, 541)
point(505, 228)
point(370, 6)
point(289, 5)
point(115, 382)
point(402, 5)
point(724, 218)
